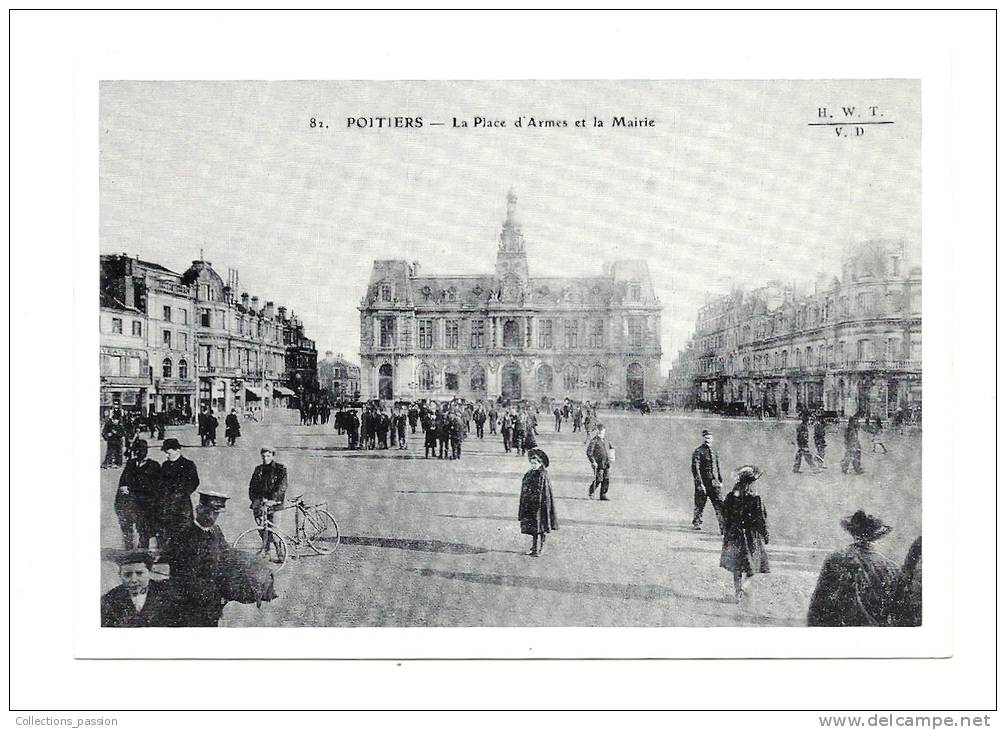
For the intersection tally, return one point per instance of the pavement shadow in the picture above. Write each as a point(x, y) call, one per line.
point(458, 493)
point(423, 546)
point(643, 592)
point(650, 526)
point(377, 454)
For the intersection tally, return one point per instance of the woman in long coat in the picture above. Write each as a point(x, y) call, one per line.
point(536, 511)
point(745, 532)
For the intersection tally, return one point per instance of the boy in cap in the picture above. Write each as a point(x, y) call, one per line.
point(138, 601)
point(195, 555)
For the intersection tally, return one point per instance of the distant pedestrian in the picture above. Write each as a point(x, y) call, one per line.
point(745, 531)
point(877, 436)
point(856, 584)
point(506, 430)
point(232, 428)
point(113, 432)
point(558, 419)
point(707, 479)
point(493, 417)
point(820, 439)
point(480, 422)
point(803, 446)
point(536, 510)
point(853, 450)
point(599, 456)
point(401, 423)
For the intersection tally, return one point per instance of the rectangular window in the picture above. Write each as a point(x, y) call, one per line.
point(864, 350)
point(133, 367)
point(116, 325)
point(597, 334)
point(204, 317)
point(478, 333)
point(183, 341)
point(221, 322)
point(451, 334)
point(166, 339)
point(635, 292)
point(635, 333)
point(185, 315)
point(137, 329)
point(425, 334)
point(206, 355)
point(221, 357)
point(167, 314)
point(385, 292)
point(545, 341)
point(387, 332)
point(572, 330)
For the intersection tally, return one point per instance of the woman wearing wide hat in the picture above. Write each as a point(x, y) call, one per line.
point(856, 584)
point(536, 511)
point(745, 532)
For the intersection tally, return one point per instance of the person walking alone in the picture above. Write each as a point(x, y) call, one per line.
point(599, 456)
point(707, 479)
point(536, 509)
point(745, 531)
point(820, 440)
point(232, 427)
point(853, 449)
point(803, 446)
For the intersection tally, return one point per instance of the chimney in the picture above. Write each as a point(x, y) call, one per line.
point(244, 300)
point(254, 304)
point(268, 313)
point(227, 293)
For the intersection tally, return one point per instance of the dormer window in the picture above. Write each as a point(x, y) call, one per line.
point(635, 291)
point(385, 291)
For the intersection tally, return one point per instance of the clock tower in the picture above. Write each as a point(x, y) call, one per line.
point(511, 259)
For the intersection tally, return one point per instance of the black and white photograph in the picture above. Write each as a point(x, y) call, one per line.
point(433, 354)
point(502, 359)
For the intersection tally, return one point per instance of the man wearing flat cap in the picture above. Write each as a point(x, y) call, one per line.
point(195, 555)
point(856, 584)
point(138, 601)
point(267, 489)
point(179, 479)
point(708, 480)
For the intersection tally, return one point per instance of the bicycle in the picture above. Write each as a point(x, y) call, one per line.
point(314, 526)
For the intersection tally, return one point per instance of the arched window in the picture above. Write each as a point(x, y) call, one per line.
point(425, 378)
point(451, 378)
point(183, 369)
point(545, 378)
point(511, 334)
point(478, 379)
point(571, 378)
point(166, 367)
point(597, 378)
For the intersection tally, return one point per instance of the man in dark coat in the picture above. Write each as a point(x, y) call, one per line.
point(137, 500)
point(113, 432)
point(195, 556)
point(600, 462)
point(138, 601)
point(558, 419)
point(202, 421)
point(803, 445)
point(853, 450)
point(856, 584)
point(493, 415)
point(232, 427)
point(179, 479)
point(443, 432)
point(352, 423)
point(458, 430)
point(268, 484)
point(707, 479)
point(480, 421)
point(820, 440)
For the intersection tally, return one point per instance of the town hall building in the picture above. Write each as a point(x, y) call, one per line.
point(509, 334)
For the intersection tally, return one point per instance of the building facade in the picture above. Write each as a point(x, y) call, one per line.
point(510, 335)
point(339, 378)
point(240, 352)
point(301, 360)
point(853, 345)
point(154, 316)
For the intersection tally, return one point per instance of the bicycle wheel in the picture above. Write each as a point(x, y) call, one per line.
point(250, 542)
point(321, 531)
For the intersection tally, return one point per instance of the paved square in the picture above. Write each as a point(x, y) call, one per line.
point(437, 543)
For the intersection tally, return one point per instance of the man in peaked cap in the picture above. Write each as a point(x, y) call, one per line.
point(138, 601)
point(195, 556)
point(707, 479)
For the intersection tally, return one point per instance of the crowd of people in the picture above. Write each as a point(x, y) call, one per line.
point(153, 504)
point(857, 586)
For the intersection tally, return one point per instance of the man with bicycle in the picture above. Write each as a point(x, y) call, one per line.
point(267, 490)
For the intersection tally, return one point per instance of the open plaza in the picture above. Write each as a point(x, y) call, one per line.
point(429, 542)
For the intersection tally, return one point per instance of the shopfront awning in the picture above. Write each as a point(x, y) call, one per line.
point(255, 393)
point(282, 391)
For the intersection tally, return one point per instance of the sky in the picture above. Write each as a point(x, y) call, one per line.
point(730, 186)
